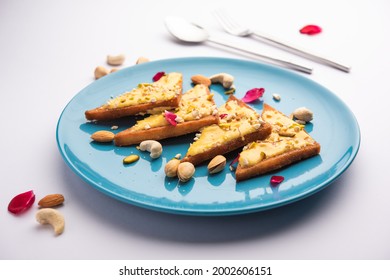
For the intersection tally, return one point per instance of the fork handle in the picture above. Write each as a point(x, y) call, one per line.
point(276, 61)
point(303, 53)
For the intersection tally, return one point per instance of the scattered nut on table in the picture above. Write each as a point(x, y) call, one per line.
point(115, 60)
point(142, 60)
point(52, 217)
point(100, 71)
point(51, 200)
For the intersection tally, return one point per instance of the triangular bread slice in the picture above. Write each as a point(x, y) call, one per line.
point(287, 144)
point(164, 93)
point(196, 110)
point(239, 125)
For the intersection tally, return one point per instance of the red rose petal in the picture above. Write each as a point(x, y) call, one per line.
point(253, 94)
point(170, 117)
point(310, 29)
point(21, 202)
point(158, 76)
point(234, 163)
point(276, 180)
point(221, 116)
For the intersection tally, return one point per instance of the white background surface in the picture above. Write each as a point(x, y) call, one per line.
point(48, 52)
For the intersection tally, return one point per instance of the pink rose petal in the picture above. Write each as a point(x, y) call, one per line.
point(276, 180)
point(310, 29)
point(21, 202)
point(253, 94)
point(234, 163)
point(158, 76)
point(170, 117)
point(221, 116)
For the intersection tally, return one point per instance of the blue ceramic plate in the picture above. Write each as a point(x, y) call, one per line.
point(144, 183)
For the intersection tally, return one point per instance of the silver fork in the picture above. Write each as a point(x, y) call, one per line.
point(232, 27)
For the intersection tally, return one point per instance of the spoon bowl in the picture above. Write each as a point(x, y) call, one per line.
point(185, 31)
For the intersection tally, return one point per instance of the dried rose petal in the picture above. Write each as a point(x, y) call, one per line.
point(221, 116)
point(253, 94)
point(276, 180)
point(21, 202)
point(310, 29)
point(170, 117)
point(234, 163)
point(158, 76)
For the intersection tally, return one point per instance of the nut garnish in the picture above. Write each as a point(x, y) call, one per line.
point(276, 97)
point(171, 167)
point(185, 171)
point(100, 71)
point(142, 60)
point(152, 146)
point(103, 136)
point(51, 200)
point(200, 79)
point(52, 217)
point(303, 114)
point(286, 133)
point(130, 159)
point(217, 164)
point(116, 60)
point(231, 90)
point(223, 78)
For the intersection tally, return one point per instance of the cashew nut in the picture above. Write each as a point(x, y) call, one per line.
point(52, 217)
point(142, 60)
point(115, 60)
point(100, 71)
point(151, 146)
point(223, 78)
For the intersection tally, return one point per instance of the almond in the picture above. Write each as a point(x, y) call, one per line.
point(200, 79)
point(103, 136)
point(51, 200)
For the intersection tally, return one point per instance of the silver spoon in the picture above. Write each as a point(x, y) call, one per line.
point(188, 32)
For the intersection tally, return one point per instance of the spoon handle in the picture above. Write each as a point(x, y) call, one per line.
point(302, 52)
point(276, 61)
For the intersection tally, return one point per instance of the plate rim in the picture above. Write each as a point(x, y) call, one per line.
point(217, 211)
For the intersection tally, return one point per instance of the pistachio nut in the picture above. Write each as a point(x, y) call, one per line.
point(185, 171)
point(130, 159)
point(170, 168)
point(217, 164)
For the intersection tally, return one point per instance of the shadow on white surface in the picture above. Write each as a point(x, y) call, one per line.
point(119, 216)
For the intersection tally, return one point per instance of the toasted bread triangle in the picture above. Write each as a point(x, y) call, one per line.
point(239, 125)
point(287, 144)
point(164, 93)
point(196, 110)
